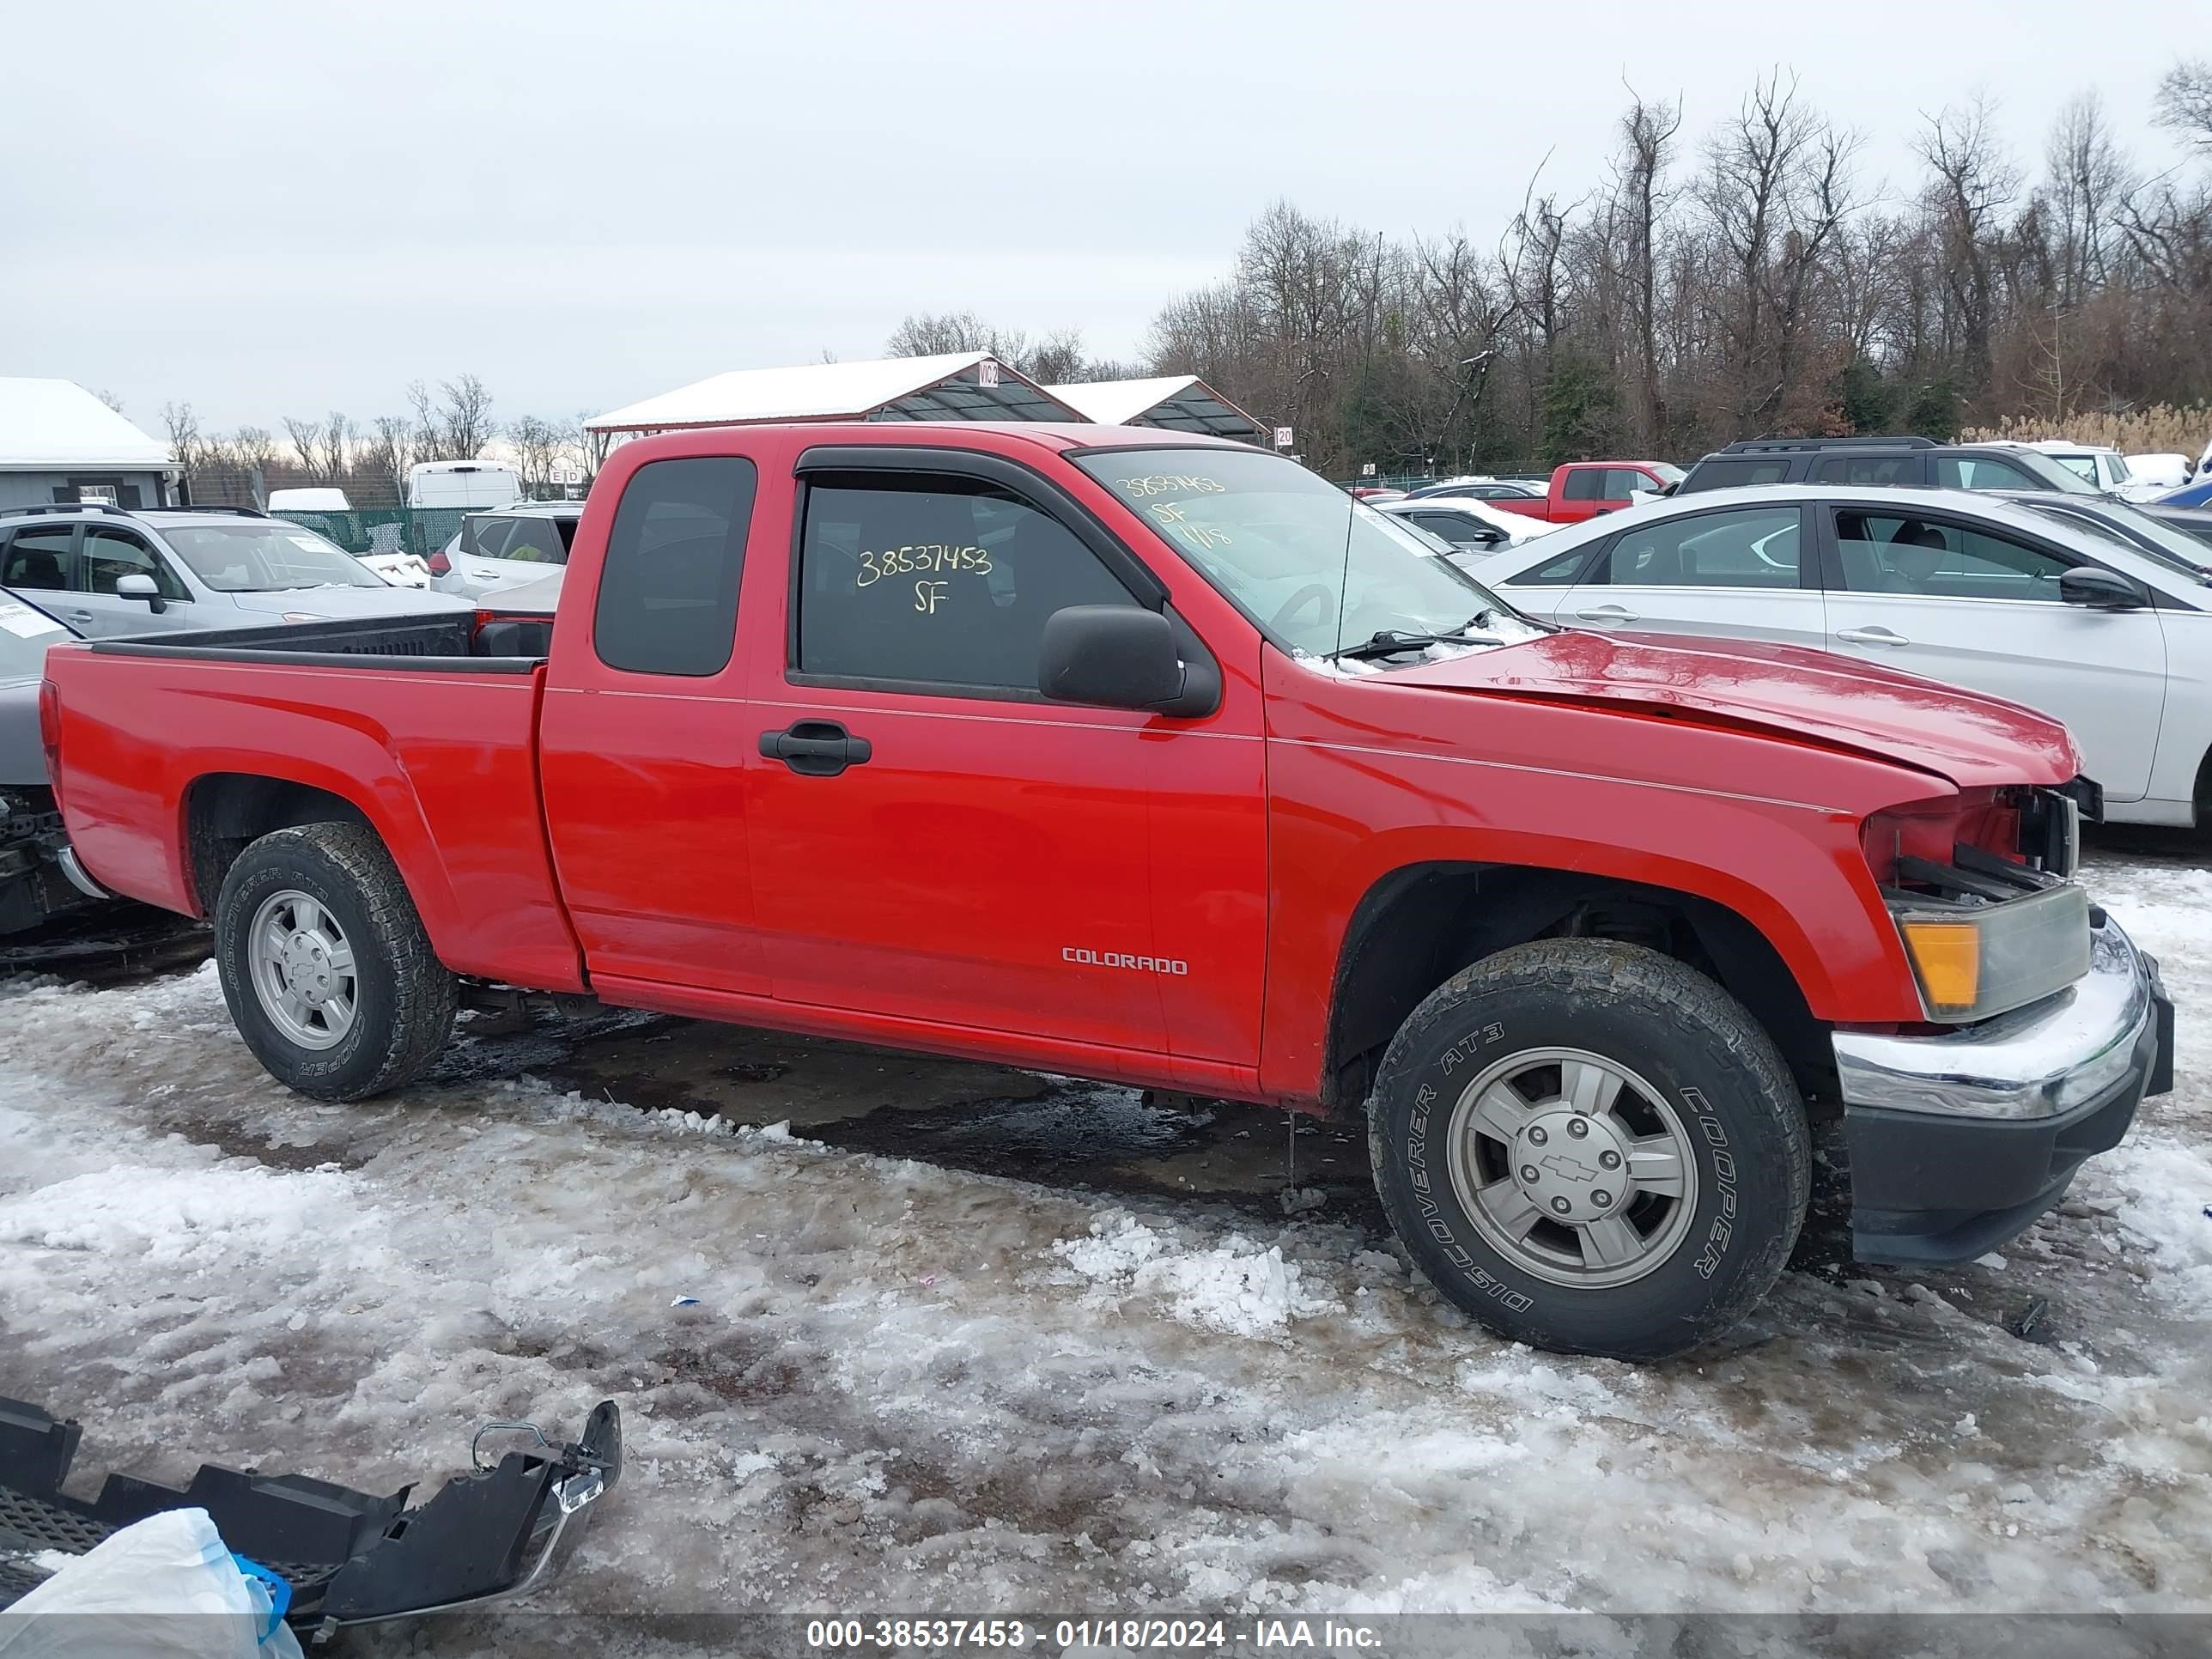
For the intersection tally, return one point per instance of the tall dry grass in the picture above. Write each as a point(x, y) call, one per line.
point(2160, 429)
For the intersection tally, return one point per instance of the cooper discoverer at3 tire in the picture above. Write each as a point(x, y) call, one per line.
point(1590, 1147)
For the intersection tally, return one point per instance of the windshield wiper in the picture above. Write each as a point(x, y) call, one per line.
point(1388, 641)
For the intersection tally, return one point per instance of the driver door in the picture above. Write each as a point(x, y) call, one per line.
point(977, 856)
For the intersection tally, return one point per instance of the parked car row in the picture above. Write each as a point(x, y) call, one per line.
point(2093, 611)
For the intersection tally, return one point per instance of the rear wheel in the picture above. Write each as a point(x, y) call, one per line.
point(1592, 1147)
point(329, 975)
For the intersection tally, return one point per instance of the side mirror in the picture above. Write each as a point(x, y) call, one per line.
point(136, 587)
point(1113, 656)
point(2098, 589)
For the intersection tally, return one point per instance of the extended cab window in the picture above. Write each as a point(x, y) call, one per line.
point(668, 591)
point(1584, 483)
point(935, 582)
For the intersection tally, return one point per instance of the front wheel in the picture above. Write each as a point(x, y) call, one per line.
point(329, 975)
point(1592, 1147)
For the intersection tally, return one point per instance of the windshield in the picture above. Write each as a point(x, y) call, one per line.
point(24, 633)
point(257, 556)
point(2060, 472)
point(1314, 569)
point(1668, 474)
point(2140, 533)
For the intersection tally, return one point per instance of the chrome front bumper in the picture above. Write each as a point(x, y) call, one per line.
point(1960, 1140)
point(2040, 1061)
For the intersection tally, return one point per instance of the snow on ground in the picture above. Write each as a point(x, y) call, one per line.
point(905, 1387)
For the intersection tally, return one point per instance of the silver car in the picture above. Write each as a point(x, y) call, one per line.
point(35, 880)
point(500, 546)
point(107, 572)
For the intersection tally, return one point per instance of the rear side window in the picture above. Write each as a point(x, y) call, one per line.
point(1733, 474)
point(1870, 470)
point(38, 559)
point(1753, 547)
point(1979, 473)
point(1584, 483)
point(944, 581)
point(1553, 573)
point(668, 591)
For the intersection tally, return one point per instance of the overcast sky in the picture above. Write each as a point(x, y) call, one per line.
point(274, 209)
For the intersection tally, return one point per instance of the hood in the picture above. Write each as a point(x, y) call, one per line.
point(1793, 692)
point(335, 603)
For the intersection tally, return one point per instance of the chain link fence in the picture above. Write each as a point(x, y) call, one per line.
point(419, 530)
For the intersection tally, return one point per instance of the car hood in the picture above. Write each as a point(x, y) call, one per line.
point(1792, 692)
point(334, 603)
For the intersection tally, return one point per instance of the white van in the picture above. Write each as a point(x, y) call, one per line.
point(323, 499)
point(469, 486)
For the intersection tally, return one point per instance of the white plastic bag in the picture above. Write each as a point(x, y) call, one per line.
point(162, 1588)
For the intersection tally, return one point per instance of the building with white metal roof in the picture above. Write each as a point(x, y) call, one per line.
point(1179, 403)
point(962, 386)
point(59, 443)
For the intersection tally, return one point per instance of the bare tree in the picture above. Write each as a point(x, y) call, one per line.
point(465, 422)
point(306, 438)
point(1647, 138)
point(184, 430)
point(537, 445)
point(2184, 103)
point(334, 454)
point(1970, 182)
point(113, 400)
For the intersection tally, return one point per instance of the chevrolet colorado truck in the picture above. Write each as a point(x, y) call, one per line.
point(1156, 759)
point(1583, 490)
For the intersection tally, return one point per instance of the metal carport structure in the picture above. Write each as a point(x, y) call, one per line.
point(1178, 403)
point(964, 385)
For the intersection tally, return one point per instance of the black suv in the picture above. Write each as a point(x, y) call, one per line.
point(1913, 463)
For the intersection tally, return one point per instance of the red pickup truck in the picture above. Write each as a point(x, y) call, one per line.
point(1156, 759)
point(1583, 489)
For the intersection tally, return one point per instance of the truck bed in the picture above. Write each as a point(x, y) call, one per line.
point(425, 728)
point(449, 640)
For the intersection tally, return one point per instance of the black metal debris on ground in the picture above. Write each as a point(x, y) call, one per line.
point(351, 1558)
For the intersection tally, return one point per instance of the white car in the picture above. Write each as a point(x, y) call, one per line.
point(2159, 473)
point(493, 550)
point(2024, 602)
point(1467, 524)
point(2106, 469)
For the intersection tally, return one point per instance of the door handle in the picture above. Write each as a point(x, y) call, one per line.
point(1874, 635)
point(1607, 613)
point(816, 749)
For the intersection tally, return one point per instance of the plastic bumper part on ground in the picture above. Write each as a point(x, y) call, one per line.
point(351, 1558)
point(1958, 1141)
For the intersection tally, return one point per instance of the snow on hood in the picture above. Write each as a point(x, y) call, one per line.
point(1969, 739)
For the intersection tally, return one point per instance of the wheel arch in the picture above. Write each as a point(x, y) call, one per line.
point(1417, 925)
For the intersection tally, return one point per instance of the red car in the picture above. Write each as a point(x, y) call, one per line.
point(1144, 757)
